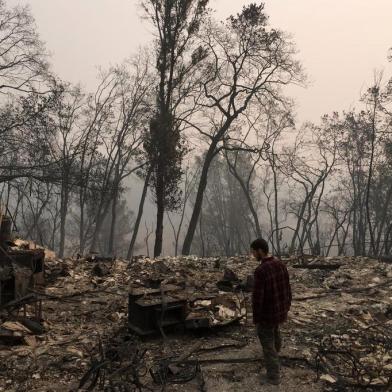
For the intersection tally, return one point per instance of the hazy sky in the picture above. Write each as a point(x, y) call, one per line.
point(341, 42)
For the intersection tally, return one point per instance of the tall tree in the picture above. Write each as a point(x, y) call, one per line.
point(24, 76)
point(176, 23)
point(23, 65)
point(309, 163)
point(373, 100)
point(67, 115)
point(248, 64)
point(122, 139)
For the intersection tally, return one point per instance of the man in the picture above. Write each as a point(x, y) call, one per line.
point(271, 300)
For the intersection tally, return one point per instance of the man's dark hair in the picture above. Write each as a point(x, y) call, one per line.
point(260, 244)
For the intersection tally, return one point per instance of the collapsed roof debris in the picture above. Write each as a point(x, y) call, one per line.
point(337, 337)
point(168, 292)
point(21, 272)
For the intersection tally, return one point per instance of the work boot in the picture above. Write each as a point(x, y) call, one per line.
point(265, 380)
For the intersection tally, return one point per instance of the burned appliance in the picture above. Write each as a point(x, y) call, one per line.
point(151, 310)
point(20, 269)
point(154, 305)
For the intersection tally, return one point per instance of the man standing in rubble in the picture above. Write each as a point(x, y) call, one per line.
point(271, 300)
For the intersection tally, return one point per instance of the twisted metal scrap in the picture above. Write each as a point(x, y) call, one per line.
point(345, 357)
point(116, 369)
point(188, 371)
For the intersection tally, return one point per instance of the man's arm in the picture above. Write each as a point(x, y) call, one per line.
point(258, 295)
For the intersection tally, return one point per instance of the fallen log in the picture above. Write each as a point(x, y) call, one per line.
point(69, 297)
point(222, 347)
point(28, 299)
point(329, 267)
point(213, 361)
point(348, 291)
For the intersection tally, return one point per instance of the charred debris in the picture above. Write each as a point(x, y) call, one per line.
point(98, 323)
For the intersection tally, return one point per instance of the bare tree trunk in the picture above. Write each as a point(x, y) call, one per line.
point(8, 196)
point(186, 249)
point(147, 238)
point(98, 224)
point(249, 201)
point(343, 243)
point(388, 243)
point(298, 225)
point(317, 249)
point(308, 217)
point(355, 219)
point(362, 229)
point(160, 217)
point(38, 215)
point(174, 233)
point(139, 216)
point(338, 226)
point(117, 181)
point(81, 227)
point(63, 213)
point(203, 252)
point(385, 209)
point(373, 139)
point(113, 223)
point(269, 209)
point(54, 218)
point(276, 204)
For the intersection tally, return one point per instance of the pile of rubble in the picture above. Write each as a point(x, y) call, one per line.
point(346, 321)
point(151, 324)
point(195, 292)
point(21, 268)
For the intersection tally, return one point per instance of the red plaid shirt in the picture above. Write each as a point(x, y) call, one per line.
point(271, 297)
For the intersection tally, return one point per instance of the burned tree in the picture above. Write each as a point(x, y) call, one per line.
point(176, 23)
point(122, 138)
point(189, 182)
point(308, 164)
point(226, 223)
point(24, 80)
point(248, 64)
point(23, 65)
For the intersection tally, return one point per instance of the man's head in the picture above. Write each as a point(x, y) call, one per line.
point(259, 248)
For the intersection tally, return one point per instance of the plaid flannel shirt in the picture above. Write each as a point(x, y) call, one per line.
point(271, 298)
